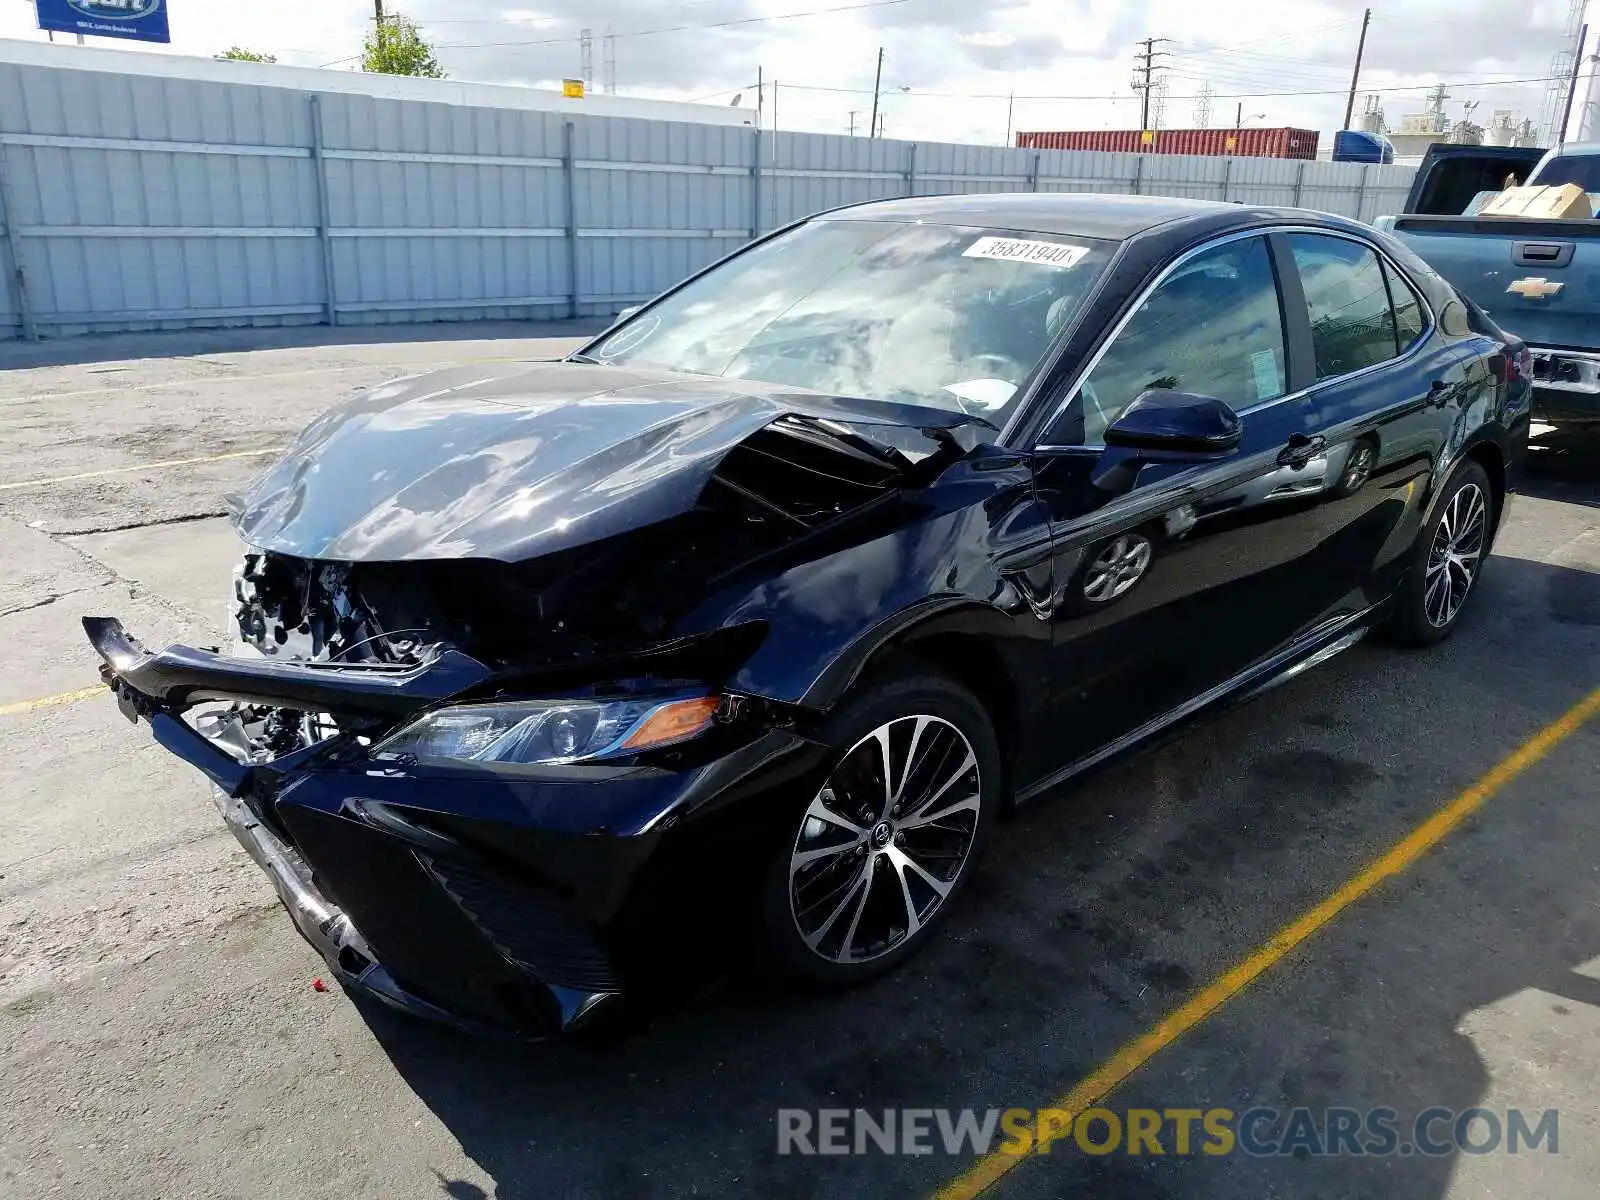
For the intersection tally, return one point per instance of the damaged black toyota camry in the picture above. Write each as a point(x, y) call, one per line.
point(563, 687)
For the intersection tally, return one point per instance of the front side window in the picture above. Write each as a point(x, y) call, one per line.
point(950, 316)
point(1352, 325)
point(1213, 327)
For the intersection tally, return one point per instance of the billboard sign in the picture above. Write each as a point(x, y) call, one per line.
point(141, 20)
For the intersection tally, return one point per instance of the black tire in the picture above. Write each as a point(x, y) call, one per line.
point(891, 701)
point(1416, 620)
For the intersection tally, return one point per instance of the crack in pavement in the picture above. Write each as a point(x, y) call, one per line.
point(157, 523)
point(52, 597)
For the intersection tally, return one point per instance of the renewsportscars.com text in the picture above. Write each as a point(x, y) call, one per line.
point(1259, 1132)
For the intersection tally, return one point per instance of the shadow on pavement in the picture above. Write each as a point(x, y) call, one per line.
point(1097, 913)
point(1564, 464)
point(117, 347)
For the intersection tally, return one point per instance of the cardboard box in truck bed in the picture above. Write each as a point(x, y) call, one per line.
point(1566, 201)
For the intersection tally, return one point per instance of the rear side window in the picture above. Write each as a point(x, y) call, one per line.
point(1409, 318)
point(1352, 325)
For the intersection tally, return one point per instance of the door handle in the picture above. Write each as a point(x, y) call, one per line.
point(1301, 449)
point(1438, 393)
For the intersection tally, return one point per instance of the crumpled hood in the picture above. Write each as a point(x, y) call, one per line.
point(512, 460)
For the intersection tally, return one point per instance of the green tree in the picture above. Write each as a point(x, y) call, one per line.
point(395, 47)
point(240, 54)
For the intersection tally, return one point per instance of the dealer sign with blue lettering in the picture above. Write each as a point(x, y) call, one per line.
point(142, 20)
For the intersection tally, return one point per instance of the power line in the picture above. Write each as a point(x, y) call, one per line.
point(1408, 87)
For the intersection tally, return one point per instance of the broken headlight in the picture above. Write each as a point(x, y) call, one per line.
point(551, 731)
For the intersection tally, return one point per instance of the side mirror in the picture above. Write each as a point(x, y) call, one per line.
point(626, 313)
point(1176, 424)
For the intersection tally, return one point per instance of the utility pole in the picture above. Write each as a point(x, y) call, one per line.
point(1144, 69)
point(1572, 86)
point(854, 113)
point(1011, 104)
point(1355, 75)
point(1238, 117)
point(877, 85)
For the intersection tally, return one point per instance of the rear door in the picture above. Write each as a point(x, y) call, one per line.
point(1177, 578)
point(1389, 389)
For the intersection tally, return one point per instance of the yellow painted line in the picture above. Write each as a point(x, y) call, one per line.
point(991, 1168)
point(27, 706)
point(154, 466)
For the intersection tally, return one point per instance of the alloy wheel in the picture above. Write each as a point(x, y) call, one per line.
point(1358, 468)
point(1455, 555)
point(1117, 568)
point(885, 839)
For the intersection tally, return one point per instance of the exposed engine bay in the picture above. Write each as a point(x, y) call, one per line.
point(578, 616)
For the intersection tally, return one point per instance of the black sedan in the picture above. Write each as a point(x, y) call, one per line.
point(562, 687)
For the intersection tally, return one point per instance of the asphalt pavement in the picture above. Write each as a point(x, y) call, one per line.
point(160, 1034)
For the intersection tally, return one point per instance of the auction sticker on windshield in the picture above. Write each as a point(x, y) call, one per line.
point(1049, 254)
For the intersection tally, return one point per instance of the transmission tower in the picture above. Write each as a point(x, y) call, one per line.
point(586, 57)
point(608, 64)
point(1555, 89)
point(1202, 106)
point(1158, 101)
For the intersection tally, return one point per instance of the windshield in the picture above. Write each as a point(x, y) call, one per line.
point(941, 315)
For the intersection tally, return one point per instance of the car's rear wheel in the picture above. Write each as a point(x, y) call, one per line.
point(1448, 559)
point(874, 856)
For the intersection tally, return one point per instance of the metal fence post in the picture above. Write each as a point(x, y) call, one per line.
point(1138, 176)
point(1299, 182)
point(1033, 174)
point(1227, 173)
point(19, 280)
point(570, 183)
point(1361, 189)
point(319, 169)
point(911, 171)
point(755, 189)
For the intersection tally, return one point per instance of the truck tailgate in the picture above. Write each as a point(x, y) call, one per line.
point(1540, 280)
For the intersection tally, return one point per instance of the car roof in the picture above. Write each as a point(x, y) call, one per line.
point(1080, 214)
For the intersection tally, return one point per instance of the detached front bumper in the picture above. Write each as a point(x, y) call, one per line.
point(334, 936)
point(492, 900)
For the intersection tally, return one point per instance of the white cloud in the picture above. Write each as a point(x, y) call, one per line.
point(950, 65)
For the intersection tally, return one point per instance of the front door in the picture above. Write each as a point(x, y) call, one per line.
point(1173, 578)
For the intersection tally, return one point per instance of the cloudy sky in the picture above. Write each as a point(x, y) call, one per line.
point(949, 64)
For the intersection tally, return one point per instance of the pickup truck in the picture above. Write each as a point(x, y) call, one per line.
point(1538, 279)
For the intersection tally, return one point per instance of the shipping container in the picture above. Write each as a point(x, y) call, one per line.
point(1251, 142)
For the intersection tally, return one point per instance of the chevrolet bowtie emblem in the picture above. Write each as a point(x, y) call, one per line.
point(1535, 287)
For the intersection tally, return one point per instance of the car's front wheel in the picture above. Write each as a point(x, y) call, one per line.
point(874, 855)
point(1448, 559)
